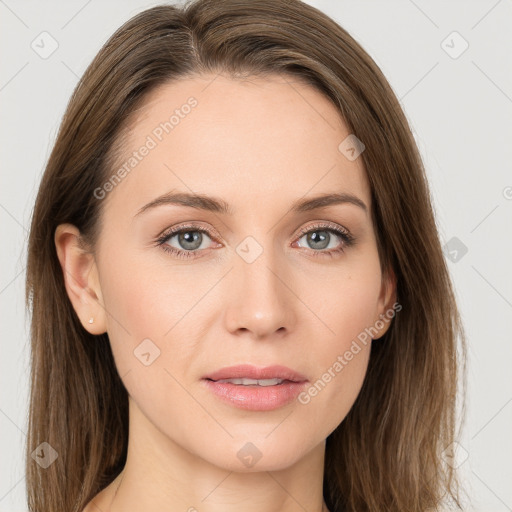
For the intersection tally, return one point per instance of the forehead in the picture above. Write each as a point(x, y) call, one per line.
point(253, 141)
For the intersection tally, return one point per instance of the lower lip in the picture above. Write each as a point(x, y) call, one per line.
point(256, 398)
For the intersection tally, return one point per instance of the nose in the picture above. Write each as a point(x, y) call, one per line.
point(261, 302)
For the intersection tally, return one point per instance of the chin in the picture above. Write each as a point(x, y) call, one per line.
point(258, 453)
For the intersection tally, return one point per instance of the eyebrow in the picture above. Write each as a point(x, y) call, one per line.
point(218, 205)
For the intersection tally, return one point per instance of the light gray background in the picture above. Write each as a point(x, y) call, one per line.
point(460, 110)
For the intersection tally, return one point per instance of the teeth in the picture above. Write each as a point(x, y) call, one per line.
point(253, 382)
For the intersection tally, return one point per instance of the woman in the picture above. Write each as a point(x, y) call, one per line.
point(238, 293)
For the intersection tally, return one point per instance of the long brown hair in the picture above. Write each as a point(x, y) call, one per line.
point(387, 454)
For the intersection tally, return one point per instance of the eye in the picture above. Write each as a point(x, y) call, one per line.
point(190, 239)
point(320, 236)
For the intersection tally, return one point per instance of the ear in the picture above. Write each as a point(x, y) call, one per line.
point(387, 301)
point(80, 278)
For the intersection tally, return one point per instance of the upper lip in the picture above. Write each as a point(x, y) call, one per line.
point(252, 372)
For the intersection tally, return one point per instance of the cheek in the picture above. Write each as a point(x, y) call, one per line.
point(347, 305)
point(344, 299)
point(340, 362)
point(153, 309)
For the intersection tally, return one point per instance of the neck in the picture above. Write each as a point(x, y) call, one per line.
point(161, 475)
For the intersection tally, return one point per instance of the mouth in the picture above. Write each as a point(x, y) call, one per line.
point(256, 389)
point(249, 375)
point(253, 382)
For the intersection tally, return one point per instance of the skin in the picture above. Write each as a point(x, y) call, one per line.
point(260, 144)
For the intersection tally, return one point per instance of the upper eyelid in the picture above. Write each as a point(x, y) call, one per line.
point(198, 227)
point(324, 225)
point(192, 227)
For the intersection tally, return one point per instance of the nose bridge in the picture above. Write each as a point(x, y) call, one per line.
point(262, 302)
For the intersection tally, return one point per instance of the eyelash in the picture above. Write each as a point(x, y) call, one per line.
point(347, 239)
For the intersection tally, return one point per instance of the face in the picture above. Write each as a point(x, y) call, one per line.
point(255, 274)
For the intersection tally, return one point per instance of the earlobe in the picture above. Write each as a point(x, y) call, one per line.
point(80, 278)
